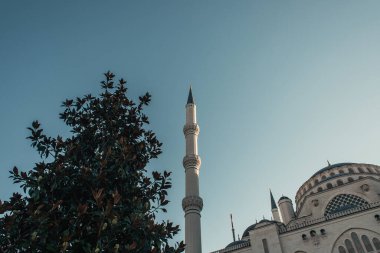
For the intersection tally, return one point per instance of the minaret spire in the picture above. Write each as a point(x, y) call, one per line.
point(233, 229)
point(190, 99)
point(273, 203)
point(275, 213)
point(192, 204)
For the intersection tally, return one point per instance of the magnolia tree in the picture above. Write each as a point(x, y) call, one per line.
point(92, 192)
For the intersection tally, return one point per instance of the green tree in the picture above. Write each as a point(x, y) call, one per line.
point(92, 192)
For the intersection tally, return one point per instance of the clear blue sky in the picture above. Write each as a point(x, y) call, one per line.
point(281, 86)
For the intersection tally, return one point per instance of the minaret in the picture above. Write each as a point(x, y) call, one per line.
point(192, 204)
point(233, 229)
point(276, 215)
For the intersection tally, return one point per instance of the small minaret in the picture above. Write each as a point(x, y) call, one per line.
point(275, 213)
point(286, 209)
point(233, 229)
point(192, 204)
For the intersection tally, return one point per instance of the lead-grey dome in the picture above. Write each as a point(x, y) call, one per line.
point(235, 243)
point(253, 226)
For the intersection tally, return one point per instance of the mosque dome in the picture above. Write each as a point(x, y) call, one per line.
point(333, 176)
point(235, 243)
point(261, 223)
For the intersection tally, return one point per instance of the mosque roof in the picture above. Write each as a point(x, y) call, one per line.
point(235, 243)
point(283, 197)
point(253, 226)
point(331, 167)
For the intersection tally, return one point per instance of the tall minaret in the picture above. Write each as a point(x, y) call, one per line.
point(276, 215)
point(192, 204)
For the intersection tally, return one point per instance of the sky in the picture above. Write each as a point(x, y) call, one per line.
point(280, 86)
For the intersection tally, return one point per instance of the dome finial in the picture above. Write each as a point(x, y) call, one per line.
point(190, 99)
point(328, 163)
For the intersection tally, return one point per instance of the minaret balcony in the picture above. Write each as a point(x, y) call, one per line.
point(191, 161)
point(191, 129)
point(191, 203)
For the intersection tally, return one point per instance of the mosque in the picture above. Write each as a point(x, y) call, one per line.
point(337, 210)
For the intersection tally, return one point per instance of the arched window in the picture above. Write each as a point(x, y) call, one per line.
point(320, 189)
point(329, 186)
point(376, 242)
point(367, 243)
point(341, 171)
point(360, 170)
point(342, 249)
point(350, 179)
point(339, 182)
point(265, 246)
point(309, 185)
point(316, 181)
point(349, 246)
point(370, 170)
point(357, 243)
point(323, 177)
point(332, 174)
point(343, 202)
point(350, 170)
point(360, 177)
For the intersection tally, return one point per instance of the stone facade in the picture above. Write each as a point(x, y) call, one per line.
point(337, 211)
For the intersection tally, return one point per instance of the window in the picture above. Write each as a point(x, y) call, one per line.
point(349, 246)
point(329, 186)
point(367, 243)
point(350, 179)
point(265, 246)
point(341, 249)
point(360, 170)
point(316, 181)
point(339, 182)
point(350, 170)
point(357, 243)
point(370, 170)
point(320, 189)
point(344, 202)
point(332, 174)
point(323, 177)
point(341, 171)
point(376, 242)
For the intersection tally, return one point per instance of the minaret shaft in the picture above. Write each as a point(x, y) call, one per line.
point(192, 204)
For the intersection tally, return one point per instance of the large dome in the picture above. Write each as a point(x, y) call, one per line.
point(332, 176)
point(331, 167)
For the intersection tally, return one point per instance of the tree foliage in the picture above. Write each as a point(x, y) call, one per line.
point(92, 192)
